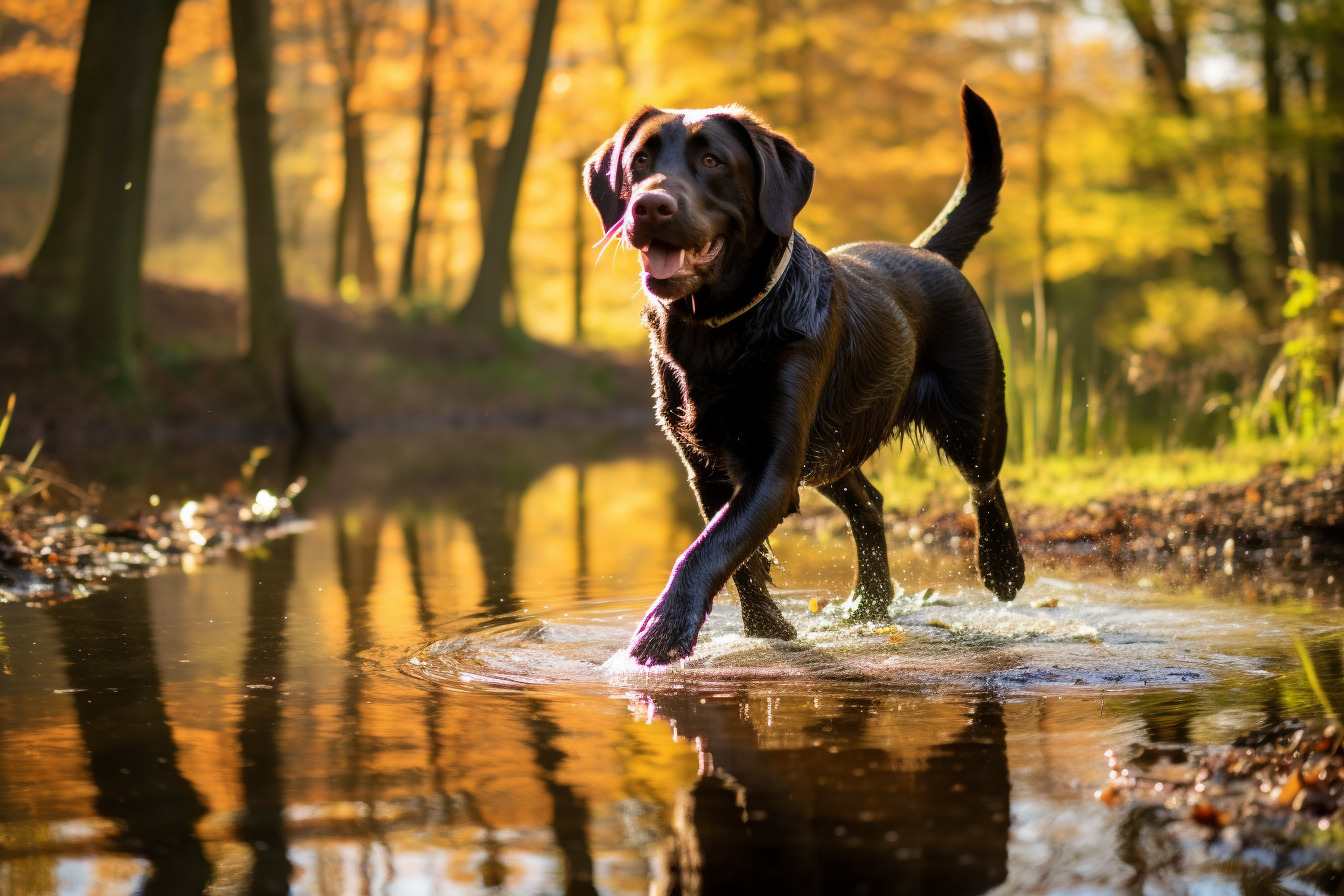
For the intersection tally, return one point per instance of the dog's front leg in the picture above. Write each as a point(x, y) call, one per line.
point(738, 528)
point(761, 617)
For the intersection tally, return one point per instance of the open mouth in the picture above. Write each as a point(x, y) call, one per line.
point(663, 261)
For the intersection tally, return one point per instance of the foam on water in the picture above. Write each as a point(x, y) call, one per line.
point(1055, 634)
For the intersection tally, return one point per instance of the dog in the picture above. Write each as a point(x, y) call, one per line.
point(776, 365)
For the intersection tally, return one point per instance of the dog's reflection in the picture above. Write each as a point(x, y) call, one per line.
point(845, 803)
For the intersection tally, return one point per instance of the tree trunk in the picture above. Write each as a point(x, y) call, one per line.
point(580, 245)
point(1166, 50)
point(1315, 209)
point(266, 330)
point(1278, 185)
point(354, 265)
point(1166, 45)
point(485, 161)
point(484, 307)
point(57, 265)
point(108, 326)
point(354, 229)
point(1331, 247)
point(406, 284)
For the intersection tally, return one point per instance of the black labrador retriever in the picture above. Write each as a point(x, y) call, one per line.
point(777, 365)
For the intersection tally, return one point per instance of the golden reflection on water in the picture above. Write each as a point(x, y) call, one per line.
point(249, 725)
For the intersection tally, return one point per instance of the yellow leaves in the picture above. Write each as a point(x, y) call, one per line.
point(1184, 319)
point(778, 83)
point(1092, 227)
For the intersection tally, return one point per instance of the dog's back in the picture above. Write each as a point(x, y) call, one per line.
point(913, 304)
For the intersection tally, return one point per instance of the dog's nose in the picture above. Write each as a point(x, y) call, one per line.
point(655, 207)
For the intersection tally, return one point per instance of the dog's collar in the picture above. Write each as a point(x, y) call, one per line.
point(780, 268)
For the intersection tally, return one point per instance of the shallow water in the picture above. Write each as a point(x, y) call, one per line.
point(424, 693)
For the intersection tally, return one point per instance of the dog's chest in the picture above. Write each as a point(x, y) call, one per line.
point(718, 402)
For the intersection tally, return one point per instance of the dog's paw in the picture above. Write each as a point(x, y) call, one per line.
point(863, 612)
point(1000, 560)
point(868, 604)
point(660, 640)
point(764, 620)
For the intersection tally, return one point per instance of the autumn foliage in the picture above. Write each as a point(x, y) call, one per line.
point(1170, 167)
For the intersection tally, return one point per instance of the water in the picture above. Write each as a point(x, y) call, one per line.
point(418, 695)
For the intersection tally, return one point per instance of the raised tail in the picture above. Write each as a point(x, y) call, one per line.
point(966, 217)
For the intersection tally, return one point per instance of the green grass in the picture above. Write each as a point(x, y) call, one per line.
point(913, 480)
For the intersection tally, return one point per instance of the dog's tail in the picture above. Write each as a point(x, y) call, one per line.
point(966, 217)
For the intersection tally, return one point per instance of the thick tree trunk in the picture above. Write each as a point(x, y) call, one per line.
point(266, 330)
point(57, 265)
point(108, 326)
point(483, 310)
point(406, 283)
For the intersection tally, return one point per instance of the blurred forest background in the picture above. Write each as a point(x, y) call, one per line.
point(353, 210)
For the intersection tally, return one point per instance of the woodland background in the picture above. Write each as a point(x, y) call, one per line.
point(1164, 268)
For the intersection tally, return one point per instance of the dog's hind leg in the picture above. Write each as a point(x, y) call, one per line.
point(861, 503)
point(974, 438)
point(761, 617)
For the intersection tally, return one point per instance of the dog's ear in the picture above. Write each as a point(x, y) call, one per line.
point(597, 177)
point(783, 174)
point(603, 174)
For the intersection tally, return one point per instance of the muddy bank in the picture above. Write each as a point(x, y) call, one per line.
point(1277, 527)
point(372, 370)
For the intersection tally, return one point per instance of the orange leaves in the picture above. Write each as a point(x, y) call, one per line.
point(32, 58)
point(200, 27)
point(48, 49)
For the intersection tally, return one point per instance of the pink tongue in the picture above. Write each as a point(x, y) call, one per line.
point(661, 261)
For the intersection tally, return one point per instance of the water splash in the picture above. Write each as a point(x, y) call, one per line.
point(1057, 634)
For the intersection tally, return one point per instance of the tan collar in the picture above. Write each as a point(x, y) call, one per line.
point(774, 278)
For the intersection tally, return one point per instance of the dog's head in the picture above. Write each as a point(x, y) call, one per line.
point(694, 189)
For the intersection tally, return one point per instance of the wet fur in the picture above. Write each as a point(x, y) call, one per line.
point(850, 349)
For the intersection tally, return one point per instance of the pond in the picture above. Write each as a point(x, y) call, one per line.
point(415, 695)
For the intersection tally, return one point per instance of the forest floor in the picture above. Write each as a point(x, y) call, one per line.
point(371, 370)
point(1277, 517)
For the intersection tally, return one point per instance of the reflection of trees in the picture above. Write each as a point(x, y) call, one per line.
point(569, 810)
point(357, 537)
point(490, 509)
point(271, 574)
point(107, 642)
point(837, 819)
point(482, 481)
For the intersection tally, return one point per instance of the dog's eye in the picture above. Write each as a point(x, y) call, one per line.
point(710, 161)
point(640, 160)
